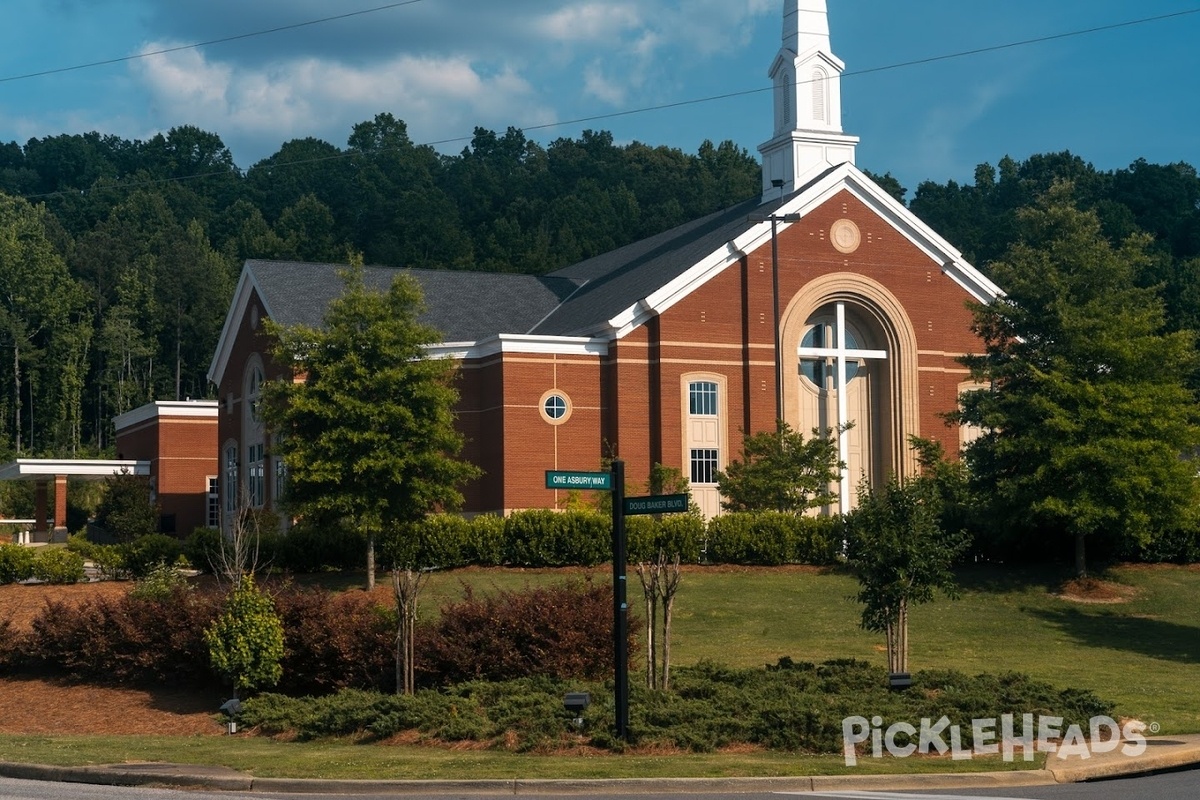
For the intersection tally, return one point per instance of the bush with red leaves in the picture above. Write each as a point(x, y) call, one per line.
point(334, 641)
point(123, 639)
point(562, 631)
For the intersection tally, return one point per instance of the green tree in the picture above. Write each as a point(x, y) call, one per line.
point(782, 471)
point(40, 307)
point(1089, 424)
point(127, 510)
point(368, 434)
point(245, 643)
point(901, 556)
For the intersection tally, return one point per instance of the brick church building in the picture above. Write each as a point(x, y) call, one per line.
point(822, 301)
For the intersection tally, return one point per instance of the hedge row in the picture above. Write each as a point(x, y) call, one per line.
point(331, 641)
point(49, 565)
point(573, 538)
point(543, 538)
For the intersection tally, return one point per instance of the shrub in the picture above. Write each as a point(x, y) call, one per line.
point(144, 553)
point(334, 641)
point(245, 642)
point(772, 538)
point(56, 565)
point(544, 538)
point(681, 534)
point(201, 548)
point(487, 544)
point(108, 559)
point(309, 547)
point(127, 509)
point(793, 706)
point(561, 631)
point(161, 582)
point(16, 563)
point(439, 541)
point(123, 639)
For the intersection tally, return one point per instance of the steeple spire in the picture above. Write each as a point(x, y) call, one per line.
point(807, 76)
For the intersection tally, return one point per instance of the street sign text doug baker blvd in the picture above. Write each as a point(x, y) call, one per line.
point(596, 481)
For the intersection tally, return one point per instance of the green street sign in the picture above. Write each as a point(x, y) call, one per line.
point(656, 504)
point(598, 481)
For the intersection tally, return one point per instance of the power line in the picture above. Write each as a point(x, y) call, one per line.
point(644, 109)
point(122, 59)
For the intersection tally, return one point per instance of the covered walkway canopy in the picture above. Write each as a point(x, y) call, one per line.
point(43, 470)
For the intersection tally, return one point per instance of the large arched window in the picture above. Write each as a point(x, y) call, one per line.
point(851, 352)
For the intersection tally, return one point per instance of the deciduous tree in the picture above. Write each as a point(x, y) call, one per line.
point(901, 555)
point(367, 432)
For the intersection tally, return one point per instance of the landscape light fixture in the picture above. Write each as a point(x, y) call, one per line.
point(577, 703)
point(231, 708)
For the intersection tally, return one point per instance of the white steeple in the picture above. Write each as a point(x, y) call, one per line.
point(808, 136)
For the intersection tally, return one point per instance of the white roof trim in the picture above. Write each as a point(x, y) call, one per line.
point(206, 409)
point(848, 177)
point(27, 468)
point(521, 343)
point(237, 310)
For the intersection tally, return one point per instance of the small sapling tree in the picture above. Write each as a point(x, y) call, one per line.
point(780, 470)
point(245, 643)
point(902, 557)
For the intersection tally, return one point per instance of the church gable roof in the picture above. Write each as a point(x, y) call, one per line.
point(629, 285)
point(462, 306)
point(623, 277)
point(601, 298)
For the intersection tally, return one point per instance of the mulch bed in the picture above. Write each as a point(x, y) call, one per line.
point(38, 706)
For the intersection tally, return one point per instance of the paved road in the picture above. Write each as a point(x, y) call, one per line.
point(1174, 786)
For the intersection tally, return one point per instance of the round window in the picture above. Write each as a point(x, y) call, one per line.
point(555, 407)
point(818, 361)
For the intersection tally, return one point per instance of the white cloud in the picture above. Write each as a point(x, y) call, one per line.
point(597, 85)
point(261, 108)
point(588, 22)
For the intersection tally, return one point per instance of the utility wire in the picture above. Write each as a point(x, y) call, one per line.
point(109, 61)
point(617, 114)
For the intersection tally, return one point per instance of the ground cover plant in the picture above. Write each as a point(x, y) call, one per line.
point(795, 706)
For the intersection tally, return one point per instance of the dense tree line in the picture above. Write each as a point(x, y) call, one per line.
point(118, 258)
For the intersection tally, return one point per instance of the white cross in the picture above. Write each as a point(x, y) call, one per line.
point(840, 354)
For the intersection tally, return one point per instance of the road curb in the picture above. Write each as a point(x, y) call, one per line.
point(1184, 756)
point(181, 776)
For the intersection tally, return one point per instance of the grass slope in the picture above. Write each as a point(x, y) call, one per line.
point(1144, 654)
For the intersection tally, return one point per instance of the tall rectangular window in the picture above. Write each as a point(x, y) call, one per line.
point(255, 483)
point(704, 466)
point(212, 511)
point(279, 478)
point(231, 480)
point(703, 398)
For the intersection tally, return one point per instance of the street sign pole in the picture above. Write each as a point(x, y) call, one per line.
point(620, 604)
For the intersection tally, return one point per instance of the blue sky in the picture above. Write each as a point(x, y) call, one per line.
point(445, 66)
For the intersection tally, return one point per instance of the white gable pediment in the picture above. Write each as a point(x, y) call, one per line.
point(848, 178)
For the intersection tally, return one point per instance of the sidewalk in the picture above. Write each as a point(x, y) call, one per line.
point(1162, 753)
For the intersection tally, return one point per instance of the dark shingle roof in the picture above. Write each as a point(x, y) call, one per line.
point(471, 306)
point(464, 306)
point(620, 278)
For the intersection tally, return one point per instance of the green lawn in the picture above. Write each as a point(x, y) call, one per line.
point(1143, 654)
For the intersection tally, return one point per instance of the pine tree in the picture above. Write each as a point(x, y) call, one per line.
point(1088, 424)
